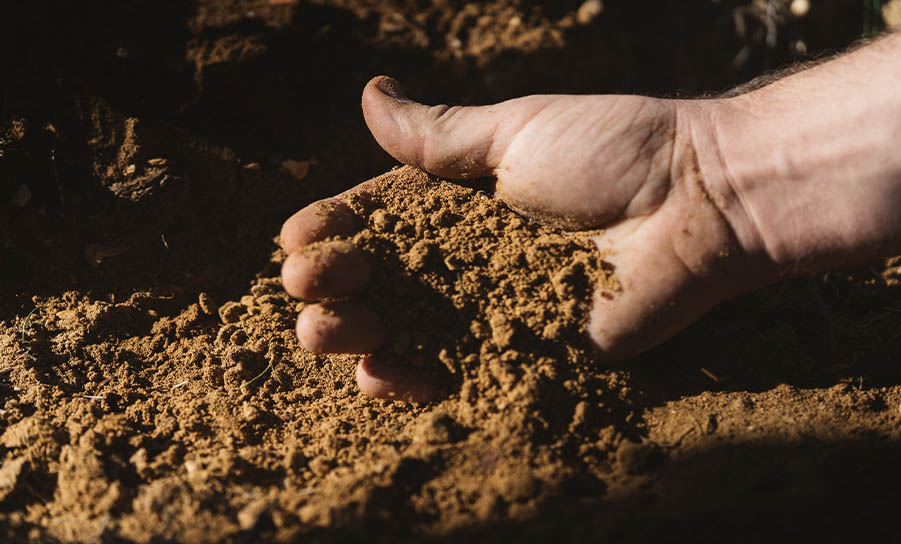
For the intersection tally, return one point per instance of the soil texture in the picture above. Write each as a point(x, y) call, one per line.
point(152, 388)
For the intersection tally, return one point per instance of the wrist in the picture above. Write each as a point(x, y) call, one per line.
point(814, 161)
point(700, 126)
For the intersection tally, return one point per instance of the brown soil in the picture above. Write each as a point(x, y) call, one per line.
point(151, 384)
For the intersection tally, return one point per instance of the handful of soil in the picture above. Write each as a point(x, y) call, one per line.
point(474, 291)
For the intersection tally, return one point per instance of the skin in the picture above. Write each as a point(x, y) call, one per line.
point(701, 201)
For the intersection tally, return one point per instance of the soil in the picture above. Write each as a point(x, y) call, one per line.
point(153, 390)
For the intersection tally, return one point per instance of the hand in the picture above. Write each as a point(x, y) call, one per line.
point(626, 163)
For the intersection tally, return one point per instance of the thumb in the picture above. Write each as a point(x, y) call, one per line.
point(454, 142)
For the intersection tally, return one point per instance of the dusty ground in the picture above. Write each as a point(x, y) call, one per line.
point(151, 384)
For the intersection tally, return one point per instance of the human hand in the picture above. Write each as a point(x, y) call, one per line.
point(626, 163)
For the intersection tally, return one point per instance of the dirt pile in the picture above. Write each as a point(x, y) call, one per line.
point(151, 386)
point(146, 416)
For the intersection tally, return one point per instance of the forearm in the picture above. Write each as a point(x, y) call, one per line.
point(815, 161)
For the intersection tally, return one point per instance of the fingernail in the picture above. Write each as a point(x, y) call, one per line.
point(391, 87)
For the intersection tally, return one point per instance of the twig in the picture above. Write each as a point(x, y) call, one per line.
point(180, 384)
point(94, 397)
point(710, 375)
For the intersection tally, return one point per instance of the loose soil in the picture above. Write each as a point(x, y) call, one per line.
point(153, 390)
